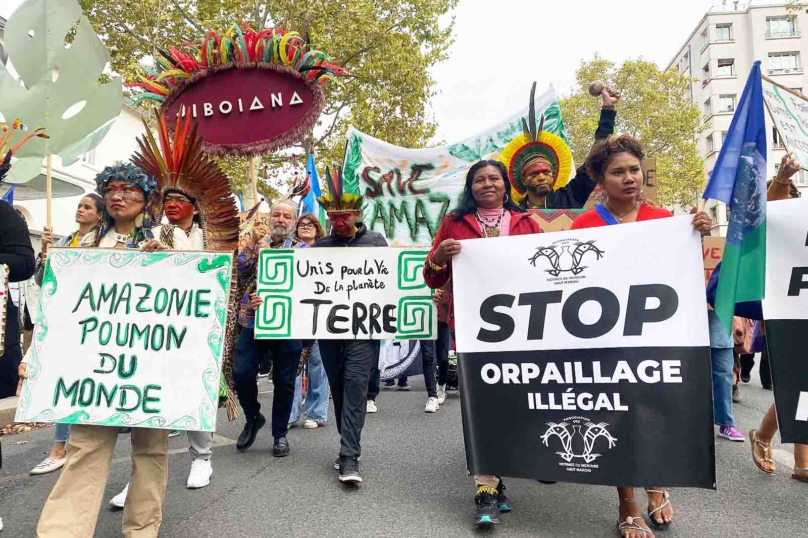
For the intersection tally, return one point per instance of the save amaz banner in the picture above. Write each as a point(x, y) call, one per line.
point(585, 356)
point(344, 294)
point(785, 310)
point(409, 191)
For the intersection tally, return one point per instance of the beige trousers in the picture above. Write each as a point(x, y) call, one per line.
point(71, 510)
point(486, 480)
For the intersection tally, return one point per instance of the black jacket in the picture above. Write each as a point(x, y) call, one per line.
point(15, 245)
point(363, 238)
point(575, 193)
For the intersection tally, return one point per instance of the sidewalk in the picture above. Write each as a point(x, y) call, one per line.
point(8, 408)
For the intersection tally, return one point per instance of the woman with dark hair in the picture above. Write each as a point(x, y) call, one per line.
point(485, 210)
point(88, 214)
point(615, 164)
point(308, 230)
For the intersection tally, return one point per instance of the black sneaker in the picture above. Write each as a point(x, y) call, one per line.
point(336, 462)
point(503, 501)
point(487, 506)
point(281, 447)
point(349, 470)
point(247, 437)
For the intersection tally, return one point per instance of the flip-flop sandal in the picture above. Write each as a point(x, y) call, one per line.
point(666, 501)
point(629, 524)
point(753, 440)
point(800, 474)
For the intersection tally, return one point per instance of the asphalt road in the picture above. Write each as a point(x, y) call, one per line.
point(415, 486)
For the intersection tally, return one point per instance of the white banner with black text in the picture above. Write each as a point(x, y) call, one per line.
point(786, 312)
point(585, 356)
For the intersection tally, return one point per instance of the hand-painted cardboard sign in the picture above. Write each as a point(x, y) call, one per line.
point(344, 294)
point(789, 112)
point(712, 250)
point(128, 338)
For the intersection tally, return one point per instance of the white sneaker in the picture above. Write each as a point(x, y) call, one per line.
point(199, 477)
point(310, 424)
point(120, 499)
point(48, 465)
point(441, 394)
point(372, 407)
point(432, 405)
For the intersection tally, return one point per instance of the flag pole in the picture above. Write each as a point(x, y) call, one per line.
point(48, 190)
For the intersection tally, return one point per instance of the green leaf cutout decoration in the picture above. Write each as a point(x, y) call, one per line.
point(56, 77)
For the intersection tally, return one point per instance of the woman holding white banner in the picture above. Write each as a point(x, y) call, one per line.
point(615, 163)
point(485, 210)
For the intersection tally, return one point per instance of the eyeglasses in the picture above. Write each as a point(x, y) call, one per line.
point(126, 192)
point(306, 226)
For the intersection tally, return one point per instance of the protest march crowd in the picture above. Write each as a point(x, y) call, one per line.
point(173, 199)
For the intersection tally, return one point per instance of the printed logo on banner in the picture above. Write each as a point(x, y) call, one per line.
point(274, 316)
point(415, 318)
point(410, 267)
point(578, 437)
point(566, 256)
point(277, 274)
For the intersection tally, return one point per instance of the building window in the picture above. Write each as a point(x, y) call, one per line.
point(708, 108)
point(781, 27)
point(726, 103)
point(686, 60)
point(724, 137)
point(723, 32)
point(726, 68)
point(705, 72)
point(704, 39)
point(784, 62)
point(776, 141)
point(710, 144)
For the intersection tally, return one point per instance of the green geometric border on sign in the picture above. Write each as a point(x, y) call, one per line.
point(410, 267)
point(281, 263)
point(275, 320)
point(407, 308)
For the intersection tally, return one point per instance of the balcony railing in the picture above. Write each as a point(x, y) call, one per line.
point(787, 71)
point(778, 145)
point(782, 35)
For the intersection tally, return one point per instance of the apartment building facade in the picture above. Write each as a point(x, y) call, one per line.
point(719, 53)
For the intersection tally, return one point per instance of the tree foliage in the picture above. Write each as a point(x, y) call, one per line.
point(388, 47)
point(655, 108)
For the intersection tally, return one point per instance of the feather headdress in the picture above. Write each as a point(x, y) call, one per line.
point(336, 200)
point(237, 44)
point(178, 165)
point(5, 142)
point(535, 143)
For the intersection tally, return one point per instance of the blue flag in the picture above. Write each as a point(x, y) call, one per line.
point(739, 180)
point(309, 203)
point(9, 196)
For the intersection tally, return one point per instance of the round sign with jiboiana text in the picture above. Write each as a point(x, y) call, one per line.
point(250, 93)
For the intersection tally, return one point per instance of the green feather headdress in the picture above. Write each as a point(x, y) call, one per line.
point(336, 199)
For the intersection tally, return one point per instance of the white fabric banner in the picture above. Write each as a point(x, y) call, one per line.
point(789, 113)
point(409, 191)
point(344, 294)
point(632, 285)
point(128, 338)
point(786, 260)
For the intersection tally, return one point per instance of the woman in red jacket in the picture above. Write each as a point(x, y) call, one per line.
point(615, 163)
point(485, 210)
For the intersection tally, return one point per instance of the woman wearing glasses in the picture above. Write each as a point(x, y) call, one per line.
point(308, 230)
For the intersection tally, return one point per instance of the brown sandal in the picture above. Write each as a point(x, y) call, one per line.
point(754, 441)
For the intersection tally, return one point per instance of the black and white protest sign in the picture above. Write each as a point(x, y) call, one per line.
point(584, 356)
point(786, 312)
point(344, 294)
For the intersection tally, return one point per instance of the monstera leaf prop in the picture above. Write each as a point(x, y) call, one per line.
point(61, 90)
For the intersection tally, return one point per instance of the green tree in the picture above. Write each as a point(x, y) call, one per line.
point(655, 108)
point(388, 47)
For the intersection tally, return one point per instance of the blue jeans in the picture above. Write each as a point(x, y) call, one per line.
point(317, 394)
point(722, 362)
point(62, 433)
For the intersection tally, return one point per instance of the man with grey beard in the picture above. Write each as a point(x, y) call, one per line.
point(249, 352)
